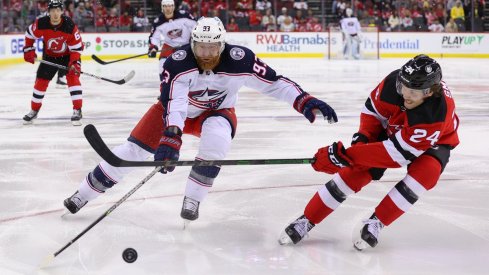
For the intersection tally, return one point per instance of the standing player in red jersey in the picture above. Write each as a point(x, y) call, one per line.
point(62, 45)
point(408, 120)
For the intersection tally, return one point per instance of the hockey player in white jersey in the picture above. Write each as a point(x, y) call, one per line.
point(170, 30)
point(198, 96)
point(352, 35)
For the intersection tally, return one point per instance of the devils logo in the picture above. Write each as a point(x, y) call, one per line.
point(207, 99)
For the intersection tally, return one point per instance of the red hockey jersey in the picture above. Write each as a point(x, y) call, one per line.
point(60, 40)
point(410, 131)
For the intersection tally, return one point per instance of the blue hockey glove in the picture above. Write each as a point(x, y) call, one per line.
point(309, 106)
point(169, 148)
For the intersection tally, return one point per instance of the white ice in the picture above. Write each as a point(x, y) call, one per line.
point(446, 232)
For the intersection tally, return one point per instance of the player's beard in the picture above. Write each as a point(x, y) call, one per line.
point(207, 65)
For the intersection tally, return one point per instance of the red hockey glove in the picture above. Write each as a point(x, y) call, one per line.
point(169, 148)
point(153, 49)
point(75, 64)
point(30, 54)
point(309, 106)
point(331, 159)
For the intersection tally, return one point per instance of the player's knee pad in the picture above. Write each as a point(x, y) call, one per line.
point(215, 139)
point(426, 170)
point(334, 192)
point(100, 180)
point(41, 84)
point(204, 175)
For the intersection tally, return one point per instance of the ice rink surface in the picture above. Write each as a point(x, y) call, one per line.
point(446, 232)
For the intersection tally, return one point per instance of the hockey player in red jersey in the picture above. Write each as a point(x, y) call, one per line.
point(62, 45)
point(199, 92)
point(408, 120)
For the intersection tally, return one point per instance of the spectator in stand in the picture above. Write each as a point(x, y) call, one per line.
point(140, 22)
point(263, 5)
point(70, 10)
point(255, 18)
point(269, 22)
point(457, 12)
point(220, 5)
point(125, 21)
point(314, 25)
point(450, 5)
point(112, 20)
point(430, 16)
point(244, 5)
point(394, 21)
point(299, 21)
point(127, 7)
point(436, 26)
point(451, 26)
point(300, 5)
point(440, 13)
point(88, 17)
point(79, 14)
point(185, 6)
point(287, 25)
point(407, 22)
point(232, 26)
point(100, 21)
point(281, 18)
point(340, 8)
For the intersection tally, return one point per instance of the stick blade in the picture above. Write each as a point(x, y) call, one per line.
point(130, 76)
point(47, 260)
point(98, 60)
point(95, 140)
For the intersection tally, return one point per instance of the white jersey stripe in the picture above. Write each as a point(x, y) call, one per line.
point(414, 185)
point(342, 185)
point(327, 198)
point(399, 200)
point(394, 154)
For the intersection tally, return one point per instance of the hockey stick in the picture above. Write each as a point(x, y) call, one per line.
point(49, 258)
point(120, 82)
point(100, 61)
point(101, 148)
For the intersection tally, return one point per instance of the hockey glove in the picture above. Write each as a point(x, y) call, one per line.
point(331, 159)
point(30, 54)
point(153, 49)
point(375, 173)
point(75, 64)
point(309, 106)
point(169, 148)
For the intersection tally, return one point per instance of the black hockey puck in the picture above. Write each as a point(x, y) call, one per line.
point(130, 255)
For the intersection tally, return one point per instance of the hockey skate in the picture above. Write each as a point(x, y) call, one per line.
point(75, 203)
point(61, 82)
point(76, 117)
point(296, 231)
point(29, 118)
point(190, 211)
point(369, 234)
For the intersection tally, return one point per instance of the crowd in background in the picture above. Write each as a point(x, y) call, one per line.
point(257, 15)
point(416, 15)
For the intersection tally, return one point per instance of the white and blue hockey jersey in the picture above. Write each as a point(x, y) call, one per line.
point(186, 91)
point(173, 32)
